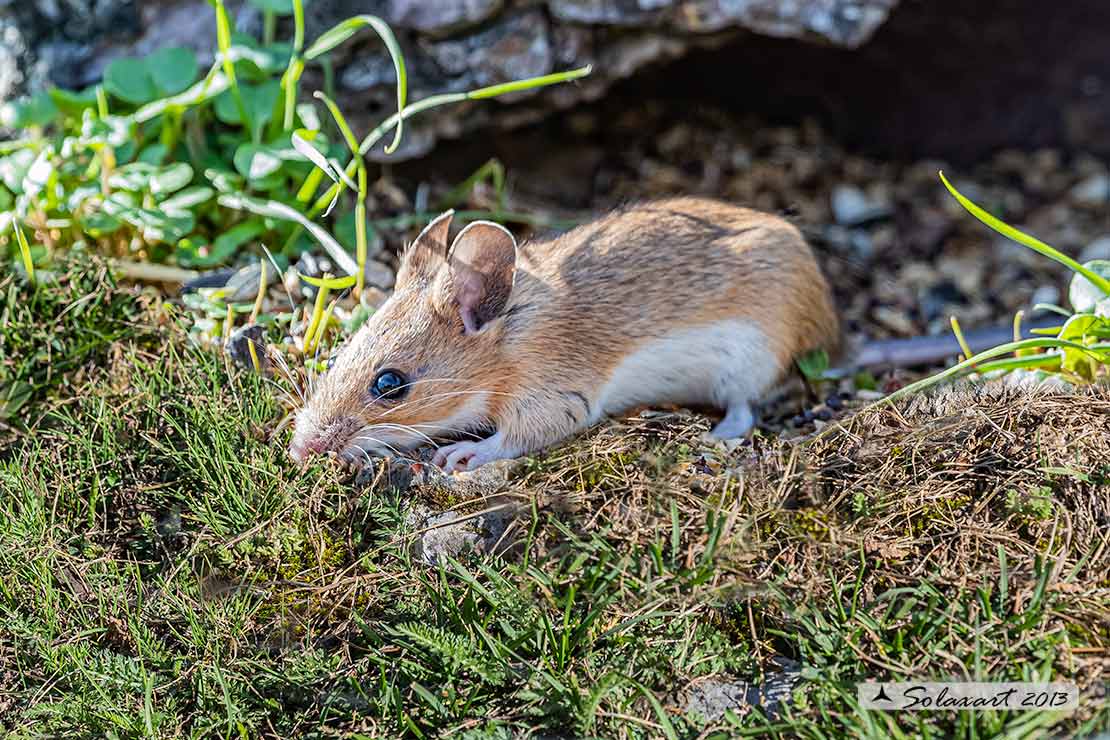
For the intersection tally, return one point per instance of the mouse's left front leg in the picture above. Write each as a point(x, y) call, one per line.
point(468, 455)
point(526, 425)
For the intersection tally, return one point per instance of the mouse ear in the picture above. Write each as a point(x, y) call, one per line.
point(482, 263)
point(428, 253)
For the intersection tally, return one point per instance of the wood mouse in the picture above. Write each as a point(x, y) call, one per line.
point(512, 348)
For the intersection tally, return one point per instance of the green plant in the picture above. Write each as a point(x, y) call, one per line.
point(1076, 351)
point(156, 165)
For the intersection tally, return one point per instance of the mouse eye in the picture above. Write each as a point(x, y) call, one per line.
point(389, 384)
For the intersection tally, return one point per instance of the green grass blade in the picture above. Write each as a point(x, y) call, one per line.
point(510, 87)
point(348, 28)
point(24, 250)
point(971, 362)
point(340, 121)
point(274, 209)
point(1025, 239)
point(223, 41)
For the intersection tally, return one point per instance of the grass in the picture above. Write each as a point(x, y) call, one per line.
point(165, 571)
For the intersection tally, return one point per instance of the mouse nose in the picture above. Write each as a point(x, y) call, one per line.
point(300, 450)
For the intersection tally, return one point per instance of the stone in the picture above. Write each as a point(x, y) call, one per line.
point(1092, 191)
point(1099, 249)
point(449, 46)
point(1045, 294)
point(852, 207)
point(441, 17)
point(708, 700)
point(379, 274)
point(452, 533)
point(238, 348)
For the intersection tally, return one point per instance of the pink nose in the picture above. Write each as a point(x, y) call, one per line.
point(301, 451)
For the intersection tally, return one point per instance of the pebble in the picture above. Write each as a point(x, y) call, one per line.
point(1099, 249)
point(1092, 191)
point(1045, 294)
point(852, 207)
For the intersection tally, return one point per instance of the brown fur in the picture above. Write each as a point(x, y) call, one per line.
point(579, 304)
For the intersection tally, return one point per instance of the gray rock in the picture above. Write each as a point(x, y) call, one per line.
point(379, 274)
point(514, 48)
point(243, 285)
point(441, 17)
point(1099, 249)
point(852, 207)
point(452, 533)
point(1045, 294)
point(708, 700)
point(449, 46)
point(238, 348)
point(1092, 191)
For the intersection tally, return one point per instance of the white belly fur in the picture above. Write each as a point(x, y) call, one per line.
point(720, 364)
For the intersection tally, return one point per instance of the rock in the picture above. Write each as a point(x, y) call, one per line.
point(441, 17)
point(242, 286)
point(1045, 294)
point(1092, 191)
point(379, 274)
point(450, 534)
point(1099, 249)
point(710, 699)
point(852, 207)
point(449, 46)
point(238, 348)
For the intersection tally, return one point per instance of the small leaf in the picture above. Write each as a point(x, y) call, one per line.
point(129, 80)
point(134, 177)
point(238, 235)
point(224, 180)
point(38, 110)
point(814, 364)
point(1082, 293)
point(171, 178)
point(259, 100)
point(172, 69)
point(188, 199)
point(71, 102)
point(256, 162)
point(99, 224)
point(38, 174)
point(13, 168)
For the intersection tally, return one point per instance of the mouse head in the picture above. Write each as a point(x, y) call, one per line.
point(425, 365)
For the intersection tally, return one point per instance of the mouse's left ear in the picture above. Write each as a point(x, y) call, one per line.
point(482, 263)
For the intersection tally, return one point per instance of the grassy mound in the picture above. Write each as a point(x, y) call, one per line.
point(164, 570)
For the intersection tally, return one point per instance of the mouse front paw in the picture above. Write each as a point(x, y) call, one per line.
point(463, 456)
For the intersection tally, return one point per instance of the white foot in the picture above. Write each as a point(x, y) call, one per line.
point(738, 421)
point(462, 456)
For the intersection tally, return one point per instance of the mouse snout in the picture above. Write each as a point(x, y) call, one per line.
point(310, 438)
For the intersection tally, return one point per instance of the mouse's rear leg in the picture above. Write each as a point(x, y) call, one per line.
point(739, 420)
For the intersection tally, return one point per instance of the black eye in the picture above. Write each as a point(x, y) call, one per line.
point(389, 384)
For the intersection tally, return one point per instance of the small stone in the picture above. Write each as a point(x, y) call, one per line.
point(450, 533)
point(834, 402)
point(243, 285)
point(823, 414)
point(710, 699)
point(1099, 249)
point(1092, 191)
point(379, 274)
point(852, 207)
point(238, 348)
point(1046, 294)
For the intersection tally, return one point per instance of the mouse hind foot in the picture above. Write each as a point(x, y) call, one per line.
point(739, 420)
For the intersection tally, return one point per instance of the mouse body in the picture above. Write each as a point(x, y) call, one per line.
point(510, 349)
